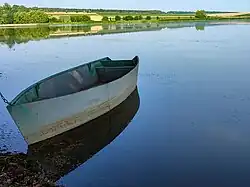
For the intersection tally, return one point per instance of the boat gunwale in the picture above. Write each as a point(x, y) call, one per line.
point(13, 102)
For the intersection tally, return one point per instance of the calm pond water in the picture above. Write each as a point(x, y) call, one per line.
point(189, 119)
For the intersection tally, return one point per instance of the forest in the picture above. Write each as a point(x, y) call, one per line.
point(19, 14)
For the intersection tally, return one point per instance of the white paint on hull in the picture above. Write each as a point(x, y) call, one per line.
point(40, 120)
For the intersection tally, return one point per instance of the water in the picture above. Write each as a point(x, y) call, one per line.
point(192, 126)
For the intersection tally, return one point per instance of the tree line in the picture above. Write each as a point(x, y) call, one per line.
point(45, 9)
point(126, 18)
point(20, 14)
point(100, 10)
point(193, 12)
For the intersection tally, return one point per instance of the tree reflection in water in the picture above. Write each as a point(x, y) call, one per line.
point(13, 36)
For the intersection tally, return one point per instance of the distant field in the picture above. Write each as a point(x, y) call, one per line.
point(230, 14)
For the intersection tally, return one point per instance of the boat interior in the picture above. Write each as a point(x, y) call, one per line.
point(76, 79)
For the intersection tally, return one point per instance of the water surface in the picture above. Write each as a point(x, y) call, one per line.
point(192, 127)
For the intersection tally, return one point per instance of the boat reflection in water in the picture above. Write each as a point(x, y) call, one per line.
point(65, 152)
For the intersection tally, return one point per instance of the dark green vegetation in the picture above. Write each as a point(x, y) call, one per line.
point(100, 11)
point(105, 19)
point(82, 18)
point(128, 18)
point(201, 14)
point(193, 13)
point(138, 17)
point(118, 18)
point(20, 170)
point(20, 14)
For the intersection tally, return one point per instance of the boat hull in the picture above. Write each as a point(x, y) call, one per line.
point(44, 119)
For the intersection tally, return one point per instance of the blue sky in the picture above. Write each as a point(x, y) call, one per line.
point(227, 5)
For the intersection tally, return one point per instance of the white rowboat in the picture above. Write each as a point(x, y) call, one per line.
point(71, 98)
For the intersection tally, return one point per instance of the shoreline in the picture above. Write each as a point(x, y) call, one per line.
point(19, 170)
point(119, 22)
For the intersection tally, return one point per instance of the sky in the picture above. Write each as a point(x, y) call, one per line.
point(165, 5)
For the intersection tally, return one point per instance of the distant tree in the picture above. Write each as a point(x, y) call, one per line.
point(139, 17)
point(53, 20)
point(33, 16)
point(157, 18)
point(17, 8)
point(37, 16)
point(6, 14)
point(20, 14)
point(118, 18)
point(80, 18)
point(1, 15)
point(7, 17)
point(105, 19)
point(128, 18)
point(74, 18)
point(200, 14)
point(21, 17)
point(7, 7)
point(136, 18)
point(148, 18)
point(85, 18)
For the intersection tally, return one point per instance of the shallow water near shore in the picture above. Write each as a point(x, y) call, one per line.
point(192, 125)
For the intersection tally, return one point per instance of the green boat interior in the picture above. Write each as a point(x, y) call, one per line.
point(76, 79)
